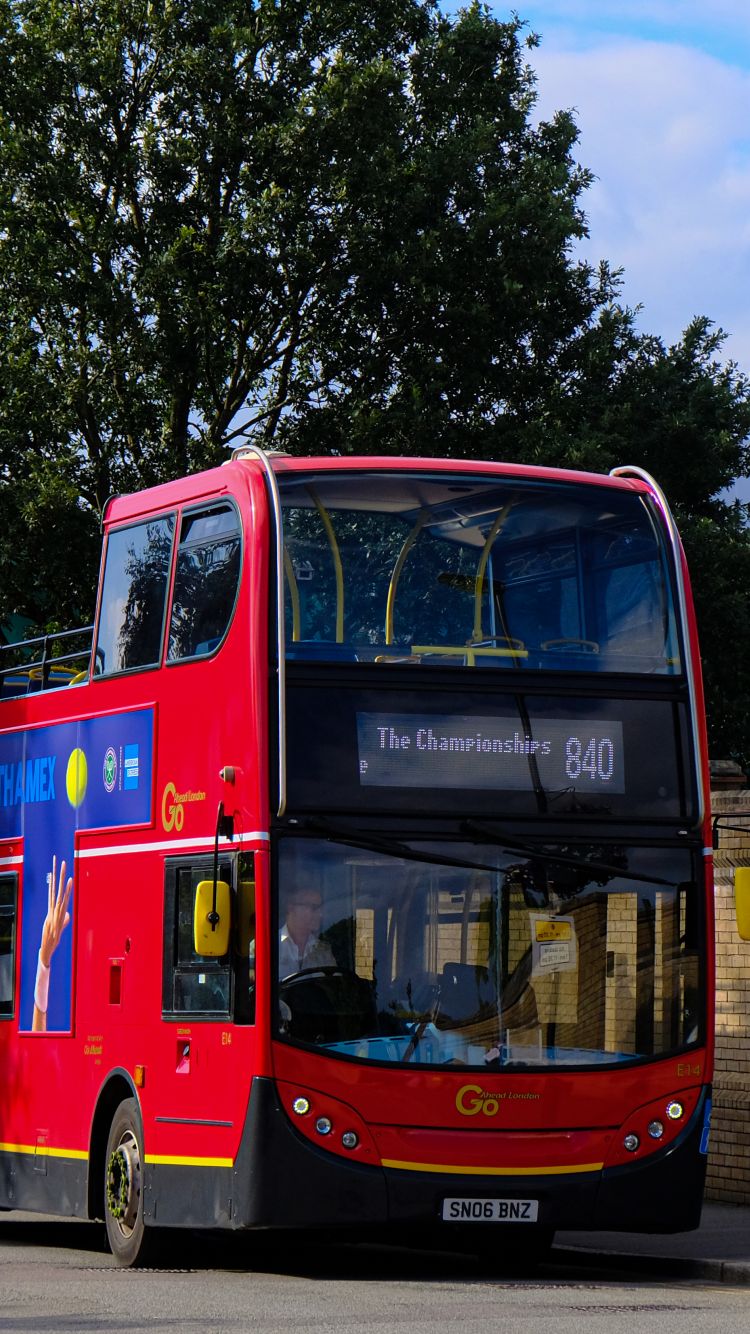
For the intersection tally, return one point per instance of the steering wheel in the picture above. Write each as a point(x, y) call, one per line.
point(322, 970)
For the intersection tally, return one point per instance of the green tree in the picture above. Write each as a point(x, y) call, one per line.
point(322, 224)
point(684, 415)
point(328, 224)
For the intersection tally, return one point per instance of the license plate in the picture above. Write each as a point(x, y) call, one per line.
point(468, 1210)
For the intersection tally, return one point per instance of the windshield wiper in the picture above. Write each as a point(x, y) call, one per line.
point(563, 859)
point(392, 847)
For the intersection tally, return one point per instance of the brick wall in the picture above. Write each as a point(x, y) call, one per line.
point(729, 1154)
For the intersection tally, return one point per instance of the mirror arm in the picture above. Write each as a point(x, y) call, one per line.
point(225, 829)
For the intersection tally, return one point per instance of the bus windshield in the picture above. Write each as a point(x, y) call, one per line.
point(477, 955)
point(475, 571)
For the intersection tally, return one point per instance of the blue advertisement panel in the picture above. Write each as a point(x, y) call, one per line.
point(92, 774)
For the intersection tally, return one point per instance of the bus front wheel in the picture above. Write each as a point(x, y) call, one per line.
point(123, 1186)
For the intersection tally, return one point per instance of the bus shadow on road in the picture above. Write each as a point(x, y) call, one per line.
point(322, 1255)
point(69, 1234)
point(334, 1255)
point(328, 1255)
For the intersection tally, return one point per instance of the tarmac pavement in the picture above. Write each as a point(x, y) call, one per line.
point(716, 1252)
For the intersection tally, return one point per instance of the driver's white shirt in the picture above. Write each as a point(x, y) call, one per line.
point(316, 954)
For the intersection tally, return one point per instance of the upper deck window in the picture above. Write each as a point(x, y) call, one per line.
point(134, 596)
point(206, 581)
point(476, 571)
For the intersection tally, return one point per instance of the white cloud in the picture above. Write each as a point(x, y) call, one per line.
point(665, 128)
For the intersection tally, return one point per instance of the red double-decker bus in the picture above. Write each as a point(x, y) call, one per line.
point(357, 872)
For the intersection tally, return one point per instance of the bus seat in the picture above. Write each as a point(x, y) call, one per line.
point(13, 685)
point(570, 655)
point(466, 992)
point(207, 646)
point(319, 650)
point(501, 652)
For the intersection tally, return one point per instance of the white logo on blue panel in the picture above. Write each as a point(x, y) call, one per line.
point(131, 768)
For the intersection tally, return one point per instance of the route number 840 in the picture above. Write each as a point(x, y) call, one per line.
point(592, 758)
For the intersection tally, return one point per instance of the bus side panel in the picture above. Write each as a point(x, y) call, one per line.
point(207, 714)
point(44, 1184)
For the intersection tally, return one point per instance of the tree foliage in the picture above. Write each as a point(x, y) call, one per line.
point(321, 224)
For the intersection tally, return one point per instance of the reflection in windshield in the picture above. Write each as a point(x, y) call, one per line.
point(535, 962)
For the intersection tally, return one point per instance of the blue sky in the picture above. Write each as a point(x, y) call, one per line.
point(724, 32)
point(661, 94)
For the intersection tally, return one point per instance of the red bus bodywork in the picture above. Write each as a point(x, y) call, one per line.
point(221, 1142)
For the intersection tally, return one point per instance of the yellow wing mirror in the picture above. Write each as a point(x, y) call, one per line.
point(211, 923)
point(742, 901)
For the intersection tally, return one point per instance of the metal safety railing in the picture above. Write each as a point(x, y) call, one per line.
point(38, 664)
point(721, 821)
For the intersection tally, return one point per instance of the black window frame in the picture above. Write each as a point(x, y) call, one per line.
point(201, 868)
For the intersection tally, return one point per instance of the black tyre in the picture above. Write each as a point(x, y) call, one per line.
point(123, 1187)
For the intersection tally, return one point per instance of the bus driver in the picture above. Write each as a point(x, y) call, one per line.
point(300, 945)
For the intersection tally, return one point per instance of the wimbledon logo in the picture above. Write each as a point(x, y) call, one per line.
point(110, 769)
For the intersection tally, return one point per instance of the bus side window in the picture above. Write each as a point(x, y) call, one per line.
point(8, 897)
point(191, 984)
point(134, 596)
point(206, 582)
point(244, 942)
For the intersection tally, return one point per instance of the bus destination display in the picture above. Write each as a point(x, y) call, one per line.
point(465, 751)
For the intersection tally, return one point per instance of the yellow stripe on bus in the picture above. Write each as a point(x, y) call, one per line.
point(177, 1160)
point(43, 1151)
point(156, 1159)
point(464, 1170)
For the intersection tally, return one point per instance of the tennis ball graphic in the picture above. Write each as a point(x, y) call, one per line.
point(76, 777)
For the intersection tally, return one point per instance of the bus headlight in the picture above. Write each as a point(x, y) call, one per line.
point(328, 1123)
point(651, 1127)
